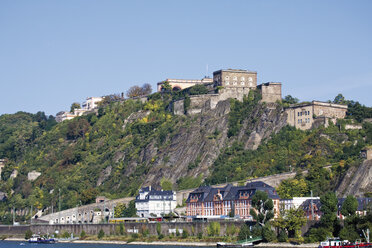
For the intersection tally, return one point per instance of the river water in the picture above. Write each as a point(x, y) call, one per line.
point(19, 244)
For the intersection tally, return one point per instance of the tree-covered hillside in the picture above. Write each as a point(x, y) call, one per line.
point(129, 143)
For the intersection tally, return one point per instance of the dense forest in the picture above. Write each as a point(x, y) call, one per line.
point(107, 152)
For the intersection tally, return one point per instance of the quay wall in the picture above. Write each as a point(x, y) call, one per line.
point(193, 228)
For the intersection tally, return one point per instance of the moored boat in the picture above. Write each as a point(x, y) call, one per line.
point(338, 243)
point(37, 239)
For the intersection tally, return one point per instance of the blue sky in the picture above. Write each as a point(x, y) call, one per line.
point(53, 53)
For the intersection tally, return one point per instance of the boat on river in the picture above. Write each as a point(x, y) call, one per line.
point(242, 243)
point(37, 239)
point(338, 243)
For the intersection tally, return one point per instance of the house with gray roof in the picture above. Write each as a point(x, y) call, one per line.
point(220, 202)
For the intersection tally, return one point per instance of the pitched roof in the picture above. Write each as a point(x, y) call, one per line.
point(230, 192)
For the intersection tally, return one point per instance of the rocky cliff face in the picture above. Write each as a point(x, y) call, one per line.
point(357, 181)
point(199, 138)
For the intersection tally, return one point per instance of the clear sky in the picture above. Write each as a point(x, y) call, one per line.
point(53, 53)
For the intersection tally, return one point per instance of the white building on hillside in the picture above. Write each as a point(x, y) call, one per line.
point(151, 203)
point(295, 202)
point(91, 103)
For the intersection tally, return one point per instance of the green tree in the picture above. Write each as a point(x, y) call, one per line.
point(349, 206)
point(131, 210)
point(283, 236)
point(329, 209)
point(119, 210)
point(339, 99)
point(244, 232)
point(198, 89)
point(263, 207)
point(88, 195)
point(74, 106)
point(290, 100)
point(295, 219)
point(166, 86)
point(293, 188)
point(268, 234)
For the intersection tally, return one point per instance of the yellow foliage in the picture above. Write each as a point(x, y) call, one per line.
point(153, 105)
point(342, 163)
point(144, 120)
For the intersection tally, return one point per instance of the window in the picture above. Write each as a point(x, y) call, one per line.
point(227, 83)
point(242, 83)
point(235, 83)
point(308, 112)
point(235, 78)
point(242, 78)
point(227, 78)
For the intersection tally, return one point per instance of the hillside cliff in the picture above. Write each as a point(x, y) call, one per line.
point(357, 181)
point(130, 144)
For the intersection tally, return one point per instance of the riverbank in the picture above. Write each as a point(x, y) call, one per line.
point(172, 243)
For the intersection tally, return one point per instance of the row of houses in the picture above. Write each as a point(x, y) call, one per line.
point(207, 202)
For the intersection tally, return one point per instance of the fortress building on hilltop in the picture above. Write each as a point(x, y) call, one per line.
point(235, 78)
point(308, 115)
point(237, 83)
point(180, 84)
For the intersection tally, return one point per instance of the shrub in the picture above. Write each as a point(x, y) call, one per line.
point(214, 229)
point(83, 234)
point(185, 234)
point(200, 235)
point(283, 237)
point(231, 230)
point(66, 235)
point(160, 236)
point(121, 229)
point(28, 234)
point(268, 235)
point(244, 232)
point(101, 234)
point(158, 228)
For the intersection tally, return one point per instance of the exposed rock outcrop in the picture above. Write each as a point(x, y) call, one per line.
point(357, 181)
point(202, 139)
